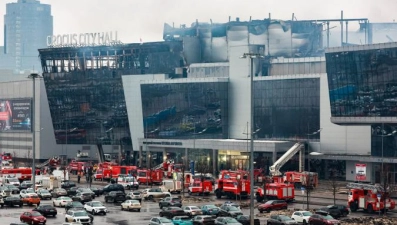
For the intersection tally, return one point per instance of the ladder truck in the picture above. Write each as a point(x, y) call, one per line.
point(368, 197)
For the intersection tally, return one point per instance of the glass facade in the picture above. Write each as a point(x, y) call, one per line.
point(287, 109)
point(185, 110)
point(383, 140)
point(87, 109)
point(363, 83)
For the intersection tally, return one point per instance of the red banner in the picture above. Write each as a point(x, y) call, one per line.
point(361, 172)
point(4, 116)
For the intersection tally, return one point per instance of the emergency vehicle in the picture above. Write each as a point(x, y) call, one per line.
point(122, 170)
point(306, 179)
point(370, 198)
point(76, 166)
point(172, 186)
point(20, 173)
point(170, 168)
point(232, 184)
point(128, 182)
point(149, 176)
point(200, 186)
point(276, 191)
point(6, 156)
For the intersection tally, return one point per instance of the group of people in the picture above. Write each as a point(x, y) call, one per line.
point(86, 172)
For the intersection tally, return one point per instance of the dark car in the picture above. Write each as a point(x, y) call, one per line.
point(170, 212)
point(72, 191)
point(25, 185)
point(58, 192)
point(317, 219)
point(67, 184)
point(82, 197)
point(335, 211)
point(13, 201)
point(245, 220)
point(272, 205)
point(12, 188)
point(46, 210)
point(210, 210)
point(229, 211)
point(44, 194)
point(113, 187)
point(115, 196)
point(74, 205)
point(281, 220)
point(170, 201)
point(86, 190)
point(97, 191)
point(203, 220)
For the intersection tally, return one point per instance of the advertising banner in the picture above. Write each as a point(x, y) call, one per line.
point(361, 172)
point(15, 115)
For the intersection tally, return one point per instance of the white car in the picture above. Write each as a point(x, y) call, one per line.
point(95, 207)
point(131, 205)
point(160, 221)
point(27, 192)
point(61, 201)
point(77, 216)
point(5, 192)
point(192, 210)
point(301, 216)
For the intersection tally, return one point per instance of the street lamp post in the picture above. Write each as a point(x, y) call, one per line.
point(252, 56)
point(308, 183)
point(34, 76)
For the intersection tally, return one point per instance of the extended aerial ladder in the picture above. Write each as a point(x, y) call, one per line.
point(375, 188)
point(275, 168)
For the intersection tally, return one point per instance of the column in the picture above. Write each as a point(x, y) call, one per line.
point(140, 156)
point(214, 161)
point(164, 155)
point(186, 157)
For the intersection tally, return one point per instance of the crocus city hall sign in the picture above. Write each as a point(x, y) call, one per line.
point(84, 39)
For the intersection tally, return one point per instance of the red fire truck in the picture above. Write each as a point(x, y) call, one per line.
point(149, 176)
point(20, 173)
point(200, 187)
point(123, 170)
point(75, 166)
point(370, 198)
point(169, 168)
point(6, 156)
point(279, 191)
point(307, 179)
point(232, 184)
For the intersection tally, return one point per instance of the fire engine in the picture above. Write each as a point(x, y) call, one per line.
point(200, 187)
point(122, 170)
point(279, 191)
point(75, 166)
point(307, 179)
point(20, 173)
point(365, 196)
point(232, 184)
point(149, 176)
point(6, 156)
point(170, 167)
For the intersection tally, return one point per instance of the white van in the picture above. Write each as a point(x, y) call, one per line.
point(171, 186)
point(11, 180)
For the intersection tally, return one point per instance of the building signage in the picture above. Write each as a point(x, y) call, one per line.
point(162, 143)
point(15, 115)
point(361, 172)
point(84, 39)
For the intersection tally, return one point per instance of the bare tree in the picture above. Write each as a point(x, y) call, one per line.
point(334, 186)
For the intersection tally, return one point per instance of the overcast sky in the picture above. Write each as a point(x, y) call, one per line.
point(144, 19)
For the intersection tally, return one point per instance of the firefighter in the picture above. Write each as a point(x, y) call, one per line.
point(79, 176)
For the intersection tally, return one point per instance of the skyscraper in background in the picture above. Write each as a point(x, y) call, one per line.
point(27, 24)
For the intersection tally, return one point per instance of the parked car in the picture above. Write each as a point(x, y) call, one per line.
point(281, 220)
point(115, 196)
point(272, 205)
point(131, 205)
point(95, 207)
point(86, 190)
point(301, 216)
point(12, 188)
point(182, 220)
point(82, 197)
point(25, 185)
point(226, 220)
point(202, 220)
point(151, 193)
point(58, 192)
point(210, 210)
point(97, 191)
point(77, 216)
point(229, 211)
point(72, 191)
point(335, 211)
point(67, 184)
point(26, 192)
point(32, 217)
point(31, 200)
point(245, 220)
point(113, 187)
point(74, 205)
point(13, 201)
point(44, 194)
point(192, 211)
point(61, 201)
point(134, 195)
point(317, 219)
point(46, 210)
point(4, 191)
point(229, 203)
point(170, 201)
point(170, 212)
point(160, 221)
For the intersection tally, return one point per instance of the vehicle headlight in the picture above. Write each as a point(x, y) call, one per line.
point(35, 219)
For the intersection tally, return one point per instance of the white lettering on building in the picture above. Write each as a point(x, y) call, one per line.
point(85, 39)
